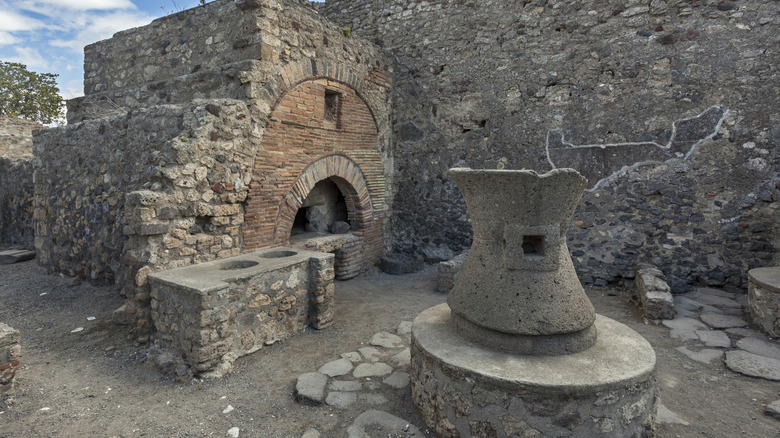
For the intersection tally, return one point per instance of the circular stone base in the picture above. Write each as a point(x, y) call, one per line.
point(462, 389)
point(540, 345)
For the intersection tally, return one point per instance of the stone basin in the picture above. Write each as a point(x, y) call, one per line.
point(206, 277)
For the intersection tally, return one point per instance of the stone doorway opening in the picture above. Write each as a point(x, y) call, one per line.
point(323, 211)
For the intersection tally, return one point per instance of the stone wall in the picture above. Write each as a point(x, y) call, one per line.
point(16, 136)
point(16, 181)
point(627, 87)
point(16, 205)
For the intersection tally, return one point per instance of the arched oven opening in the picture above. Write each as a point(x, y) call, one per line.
point(323, 211)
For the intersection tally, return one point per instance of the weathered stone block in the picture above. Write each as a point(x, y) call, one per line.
point(653, 292)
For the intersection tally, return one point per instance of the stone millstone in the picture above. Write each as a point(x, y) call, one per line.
point(519, 280)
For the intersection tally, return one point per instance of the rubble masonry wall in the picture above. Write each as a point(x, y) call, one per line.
point(492, 83)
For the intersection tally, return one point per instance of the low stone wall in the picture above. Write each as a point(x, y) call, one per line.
point(215, 312)
point(10, 350)
point(16, 201)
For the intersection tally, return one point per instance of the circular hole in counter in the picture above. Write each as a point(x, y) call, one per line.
point(239, 264)
point(277, 254)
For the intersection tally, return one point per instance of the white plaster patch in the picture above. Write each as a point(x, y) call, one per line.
point(292, 281)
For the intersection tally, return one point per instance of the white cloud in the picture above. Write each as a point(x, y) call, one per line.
point(12, 21)
point(7, 39)
point(31, 58)
point(98, 27)
point(72, 88)
point(41, 6)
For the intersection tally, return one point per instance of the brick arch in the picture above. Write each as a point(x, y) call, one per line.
point(294, 73)
point(347, 176)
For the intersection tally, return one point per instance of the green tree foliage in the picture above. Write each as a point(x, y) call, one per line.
point(29, 95)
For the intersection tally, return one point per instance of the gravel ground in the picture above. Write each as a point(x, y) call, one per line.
point(95, 382)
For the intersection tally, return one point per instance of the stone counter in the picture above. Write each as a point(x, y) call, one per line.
point(212, 313)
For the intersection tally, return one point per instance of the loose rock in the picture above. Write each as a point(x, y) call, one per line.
point(310, 388)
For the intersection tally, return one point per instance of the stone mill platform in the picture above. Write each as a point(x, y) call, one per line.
point(606, 390)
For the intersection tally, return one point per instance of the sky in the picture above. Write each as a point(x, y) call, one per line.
point(48, 36)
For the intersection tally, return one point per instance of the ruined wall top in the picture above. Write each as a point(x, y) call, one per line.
point(16, 136)
point(217, 34)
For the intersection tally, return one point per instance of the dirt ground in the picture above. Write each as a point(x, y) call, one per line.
point(96, 383)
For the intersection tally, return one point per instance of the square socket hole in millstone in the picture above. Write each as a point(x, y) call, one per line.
point(533, 246)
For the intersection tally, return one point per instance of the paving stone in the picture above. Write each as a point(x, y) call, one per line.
point(664, 415)
point(681, 302)
point(684, 328)
point(397, 380)
point(370, 353)
point(707, 291)
point(722, 321)
point(693, 305)
point(340, 400)
point(15, 256)
point(404, 328)
point(714, 338)
point(352, 356)
point(345, 385)
point(773, 409)
point(386, 340)
point(733, 311)
point(372, 398)
point(705, 355)
point(760, 347)
point(402, 359)
point(686, 313)
point(746, 333)
point(377, 369)
point(715, 300)
point(753, 365)
point(742, 300)
point(381, 424)
point(336, 368)
point(310, 388)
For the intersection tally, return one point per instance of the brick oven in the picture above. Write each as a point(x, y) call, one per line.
point(321, 134)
